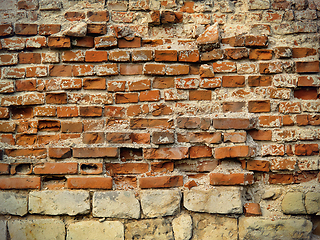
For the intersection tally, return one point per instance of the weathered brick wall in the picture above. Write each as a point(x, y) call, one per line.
point(147, 119)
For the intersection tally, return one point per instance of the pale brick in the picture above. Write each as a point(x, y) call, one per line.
point(156, 203)
point(207, 227)
point(265, 229)
point(182, 227)
point(222, 200)
point(13, 203)
point(116, 204)
point(3, 230)
point(37, 229)
point(312, 202)
point(59, 202)
point(93, 230)
point(292, 203)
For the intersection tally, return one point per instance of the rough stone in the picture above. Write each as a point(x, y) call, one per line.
point(51, 202)
point(37, 229)
point(117, 204)
point(150, 229)
point(312, 202)
point(224, 200)
point(87, 230)
point(292, 203)
point(207, 227)
point(13, 203)
point(77, 30)
point(266, 229)
point(156, 203)
point(182, 227)
point(3, 230)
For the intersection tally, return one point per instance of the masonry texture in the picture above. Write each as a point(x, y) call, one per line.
point(159, 119)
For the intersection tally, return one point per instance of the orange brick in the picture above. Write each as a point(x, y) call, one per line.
point(161, 182)
point(56, 168)
point(20, 183)
point(89, 182)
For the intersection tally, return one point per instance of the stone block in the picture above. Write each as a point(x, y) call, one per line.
point(92, 230)
point(51, 202)
point(292, 203)
point(223, 200)
point(156, 203)
point(155, 229)
point(312, 202)
point(3, 230)
point(207, 227)
point(266, 229)
point(37, 229)
point(182, 227)
point(116, 204)
point(13, 203)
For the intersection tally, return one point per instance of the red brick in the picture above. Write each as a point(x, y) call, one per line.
point(200, 152)
point(135, 43)
point(96, 56)
point(109, 69)
point(4, 168)
point(188, 122)
point(256, 41)
point(26, 139)
point(199, 95)
point(161, 182)
point(59, 42)
point(260, 54)
point(91, 168)
point(283, 164)
point(210, 82)
point(26, 29)
point(27, 58)
point(60, 153)
point(90, 111)
point(261, 135)
point(94, 83)
point(162, 137)
point(236, 137)
point(7, 87)
point(162, 167)
point(233, 81)
point(14, 72)
point(131, 69)
point(49, 29)
point(280, 178)
point(36, 42)
point(126, 98)
point(224, 67)
point(252, 209)
point(126, 168)
point(71, 127)
point(119, 56)
point(177, 69)
point(306, 93)
point(105, 42)
point(93, 138)
point(303, 52)
point(259, 106)
point(215, 54)
point(97, 152)
point(236, 41)
point(141, 55)
point(307, 67)
point(258, 165)
point(308, 81)
point(232, 152)
point(20, 183)
point(8, 59)
point(49, 125)
point(150, 96)
point(21, 113)
point(166, 55)
point(143, 123)
point(98, 16)
point(306, 149)
point(56, 168)
point(6, 29)
point(233, 106)
point(38, 71)
point(97, 28)
point(81, 70)
point(72, 56)
point(188, 56)
point(67, 111)
point(304, 177)
point(206, 71)
point(154, 69)
point(13, 43)
point(289, 107)
point(259, 81)
point(236, 53)
point(74, 16)
point(56, 98)
point(230, 179)
point(174, 153)
point(272, 150)
point(33, 153)
point(89, 182)
point(87, 42)
point(232, 123)
point(270, 67)
point(60, 70)
point(4, 113)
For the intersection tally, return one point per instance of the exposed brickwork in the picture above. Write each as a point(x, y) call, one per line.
point(173, 107)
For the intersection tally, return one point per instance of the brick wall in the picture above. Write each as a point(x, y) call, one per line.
point(160, 119)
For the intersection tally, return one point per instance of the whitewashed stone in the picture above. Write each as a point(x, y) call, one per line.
point(222, 200)
point(292, 203)
point(58, 202)
point(312, 202)
point(150, 229)
point(13, 203)
point(94, 230)
point(38, 229)
point(116, 204)
point(3, 230)
point(207, 227)
point(266, 229)
point(156, 203)
point(79, 29)
point(182, 227)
